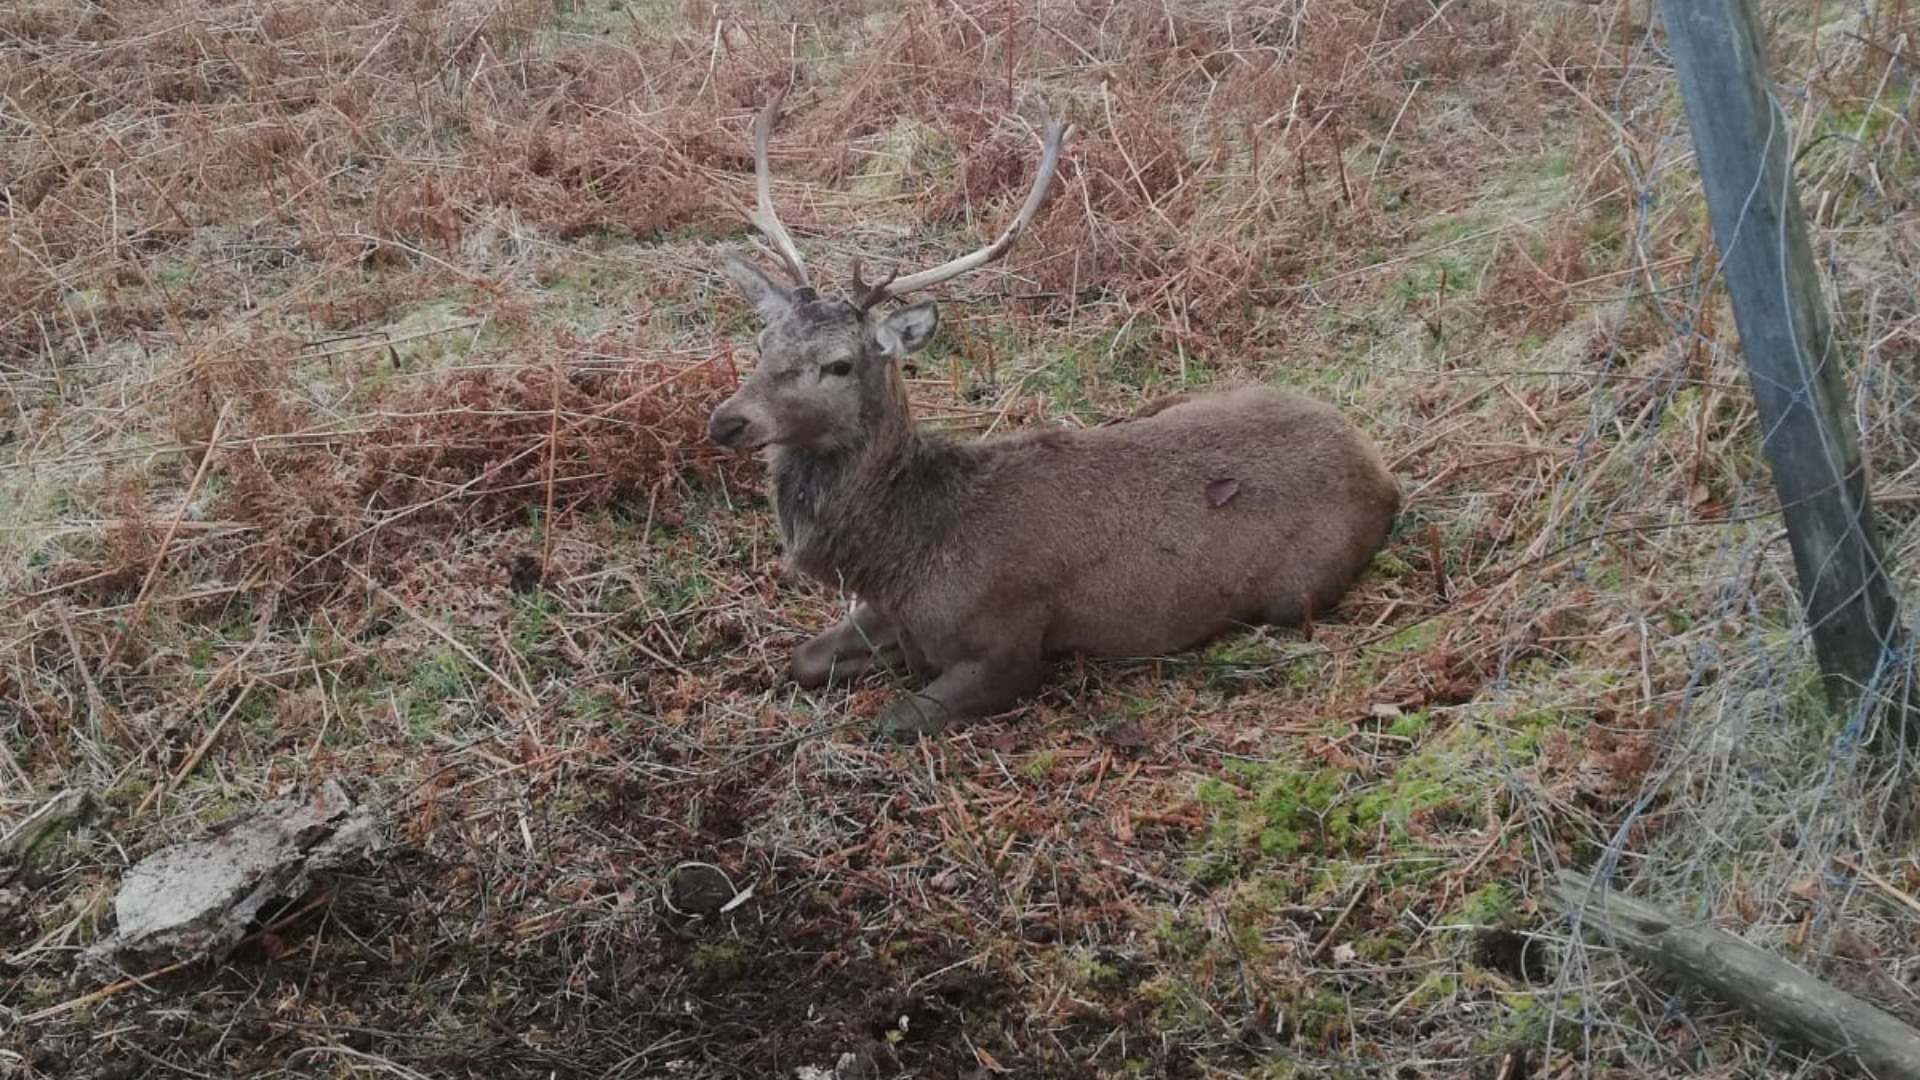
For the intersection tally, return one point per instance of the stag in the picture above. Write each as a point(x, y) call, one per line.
point(973, 563)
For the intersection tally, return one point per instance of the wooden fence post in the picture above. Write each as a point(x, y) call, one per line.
point(1742, 143)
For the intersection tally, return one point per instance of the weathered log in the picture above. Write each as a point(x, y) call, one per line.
point(1775, 993)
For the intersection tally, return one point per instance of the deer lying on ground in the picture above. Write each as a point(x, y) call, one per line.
point(974, 563)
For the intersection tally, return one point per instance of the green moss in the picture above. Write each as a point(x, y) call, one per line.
point(720, 961)
point(1419, 787)
point(913, 150)
point(1086, 970)
point(1180, 937)
point(1410, 725)
point(592, 706)
point(1278, 1067)
point(1319, 1018)
point(446, 673)
point(1174, 1004)
point(1807, 707)
point(1246, 650)
point(1381, 948)
point(256, 714)
point(1489, 905)
point(1606, 228)
point(128, 793)
point(1264, 813)
point(1387, 566)
point(1039, 766)
point(1304, 809)
point(1415, 638)
point(1862, 121)
point(1524, 1025)
point(1519, 739)
point(1289, 811)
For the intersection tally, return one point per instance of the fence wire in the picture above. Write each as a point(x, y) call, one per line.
point(1781, 801)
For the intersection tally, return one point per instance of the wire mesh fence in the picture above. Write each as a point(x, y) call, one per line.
point(1771, 802)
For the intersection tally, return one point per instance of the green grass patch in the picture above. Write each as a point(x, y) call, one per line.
point(1077, 380)
point(1447, 228)
point(1446, 272)
point(1265, 814)
point(440, 678)
point(1240, 663)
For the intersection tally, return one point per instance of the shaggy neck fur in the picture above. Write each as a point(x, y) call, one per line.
point(866, 516)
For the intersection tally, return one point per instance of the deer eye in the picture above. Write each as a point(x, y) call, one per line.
point(838, 367)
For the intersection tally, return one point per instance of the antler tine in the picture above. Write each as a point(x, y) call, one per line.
point(866, 295)
point(763, 216)
point(1054, 137)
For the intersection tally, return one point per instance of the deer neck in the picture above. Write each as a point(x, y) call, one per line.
point(855, 516)
point(806, 486)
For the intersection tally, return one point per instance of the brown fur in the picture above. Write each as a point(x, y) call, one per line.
point(974, 562)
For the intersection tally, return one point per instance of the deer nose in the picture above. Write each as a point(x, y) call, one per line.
point(725, 428)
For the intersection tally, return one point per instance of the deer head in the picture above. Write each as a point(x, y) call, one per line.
point(827, 378)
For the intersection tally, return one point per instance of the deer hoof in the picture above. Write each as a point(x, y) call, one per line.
point(911, 718)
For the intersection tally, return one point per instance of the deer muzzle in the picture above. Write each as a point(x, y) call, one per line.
point(731, 429)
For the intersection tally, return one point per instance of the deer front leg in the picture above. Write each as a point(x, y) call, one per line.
point(964, 692)
point(849, 649)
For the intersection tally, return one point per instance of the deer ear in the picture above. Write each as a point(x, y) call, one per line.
point(766, 297)
point(906, 330)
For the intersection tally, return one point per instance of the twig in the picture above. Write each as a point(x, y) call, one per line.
point(1171, 888)
point(782, 744)
point(393, 1067)
point(1326, 940)
point(377, 341)
point(154, 796)
point(103, 993)
point(444, 635)
point(139, 612)
point(1894, 892)
point(553, 463)
point(218, 679)
point(1380, 157)
point(99, 712)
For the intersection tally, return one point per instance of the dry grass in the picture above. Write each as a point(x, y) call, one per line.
point(355, 358)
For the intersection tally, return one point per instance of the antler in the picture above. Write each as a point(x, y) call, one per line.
point(763, 217)
point(864, 295)
point(1054, 137)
